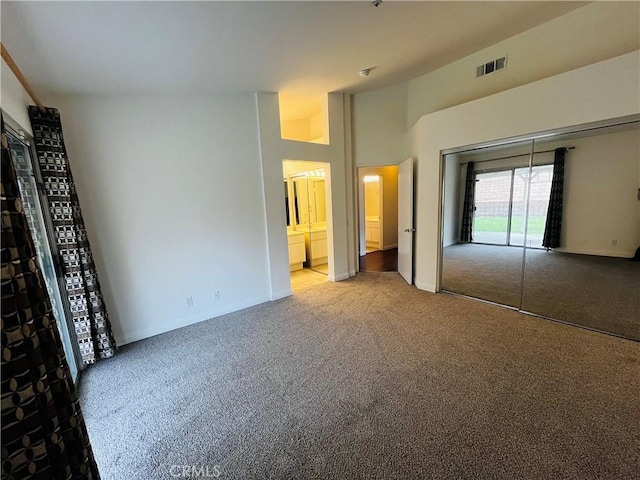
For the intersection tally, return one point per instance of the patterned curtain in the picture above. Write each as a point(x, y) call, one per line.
point(90, 318)
point(553, 225)
point(467, 210)
point(43, 431)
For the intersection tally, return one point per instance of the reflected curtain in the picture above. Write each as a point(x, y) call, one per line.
point(466, 229)
point(43, 431)
point(90, 318)
point(553, 225)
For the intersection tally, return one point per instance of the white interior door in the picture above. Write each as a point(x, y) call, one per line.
point(405, 220)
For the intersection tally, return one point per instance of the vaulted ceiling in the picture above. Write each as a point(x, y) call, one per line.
point(303, 48)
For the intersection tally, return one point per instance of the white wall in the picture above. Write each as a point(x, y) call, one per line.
point(595, 32)
point(605, 90)
point(14, 99)
point(171, 192)
point(380, 126)
point(600, 195)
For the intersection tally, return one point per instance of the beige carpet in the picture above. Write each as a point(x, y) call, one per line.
point(369, 378)
point(489, 272)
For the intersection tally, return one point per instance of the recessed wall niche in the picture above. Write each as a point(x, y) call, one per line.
point(304, 118)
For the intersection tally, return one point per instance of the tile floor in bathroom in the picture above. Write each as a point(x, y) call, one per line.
point(306, 278)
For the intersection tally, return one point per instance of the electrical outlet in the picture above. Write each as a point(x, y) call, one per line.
point(189, 301)
point(216, 295)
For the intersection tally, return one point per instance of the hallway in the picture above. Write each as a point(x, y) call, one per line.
point(380, 261)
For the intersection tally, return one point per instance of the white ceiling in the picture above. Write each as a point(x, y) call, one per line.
point(303, 48)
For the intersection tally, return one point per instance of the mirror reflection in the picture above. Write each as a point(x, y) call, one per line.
point(583, 273)
point(484, 206)
point(549, 227)
point(305, 198)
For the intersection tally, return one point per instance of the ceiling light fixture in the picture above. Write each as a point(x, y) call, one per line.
point(365, 72)
point(376, 3)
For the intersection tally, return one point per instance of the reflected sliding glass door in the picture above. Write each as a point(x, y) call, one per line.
point(500, 201)
point(51, 270)
point(492, 205)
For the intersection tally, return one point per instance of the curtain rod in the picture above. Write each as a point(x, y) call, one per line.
point(516, 156)
point(23, 81)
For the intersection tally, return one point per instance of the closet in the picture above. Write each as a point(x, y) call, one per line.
point(549, 225)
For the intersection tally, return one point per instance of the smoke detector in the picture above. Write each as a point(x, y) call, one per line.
point(365, 72)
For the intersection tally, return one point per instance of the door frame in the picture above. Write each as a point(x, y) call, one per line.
point(359, 209)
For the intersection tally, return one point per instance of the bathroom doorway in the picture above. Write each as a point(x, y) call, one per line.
point(306, 191)
point(373, 208)
point(378, 218)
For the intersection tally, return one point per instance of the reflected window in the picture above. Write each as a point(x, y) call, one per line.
point(500, 200)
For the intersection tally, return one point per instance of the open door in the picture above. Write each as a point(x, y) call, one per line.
point(405, 220)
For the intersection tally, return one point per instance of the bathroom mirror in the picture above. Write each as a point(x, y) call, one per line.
point(310, 201)
point(309, 215)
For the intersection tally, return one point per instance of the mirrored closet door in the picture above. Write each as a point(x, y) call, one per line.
point(549, 226)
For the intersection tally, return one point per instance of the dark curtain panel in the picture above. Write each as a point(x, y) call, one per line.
point(43, 431)
point(90, 318)
point(553, 225)
point(467, 209)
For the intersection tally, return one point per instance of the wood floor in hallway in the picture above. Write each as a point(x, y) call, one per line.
point(380, 261)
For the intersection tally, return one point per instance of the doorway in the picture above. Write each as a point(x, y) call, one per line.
point(378, 218)
point(373, 208)
point(306, 192)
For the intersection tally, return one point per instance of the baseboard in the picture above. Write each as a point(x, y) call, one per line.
point(281, 294)
point(390, 247)
point(352, 273)
point(427, 287)
point(340, 277)
point(598, 253)
point(154, 330)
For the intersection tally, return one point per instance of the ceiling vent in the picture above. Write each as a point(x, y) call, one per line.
point(492, 66)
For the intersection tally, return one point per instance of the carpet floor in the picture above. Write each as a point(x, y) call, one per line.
point(368, 378)
point(592, 291)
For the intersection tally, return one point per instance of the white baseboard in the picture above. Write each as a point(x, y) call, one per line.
point(165, 327)
point(599, 253)
point(427, 287)
point(352, 273)
point(287, 292)
point(340, 277)
point(390, 247)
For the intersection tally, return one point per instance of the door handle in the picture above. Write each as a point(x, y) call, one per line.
point(409, 230)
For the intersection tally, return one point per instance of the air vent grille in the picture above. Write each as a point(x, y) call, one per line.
point(492, 66)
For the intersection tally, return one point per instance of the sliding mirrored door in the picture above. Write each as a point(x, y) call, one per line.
point(574, 222)
point(483, 202)
point(587, 275)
